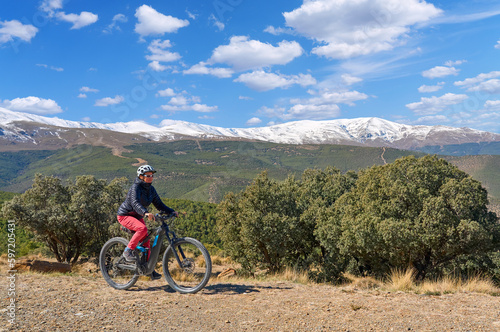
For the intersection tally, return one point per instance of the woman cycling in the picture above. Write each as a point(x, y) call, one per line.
point(132, 212)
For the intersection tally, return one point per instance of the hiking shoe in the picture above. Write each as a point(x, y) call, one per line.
point(129, 255)
point(155, 275)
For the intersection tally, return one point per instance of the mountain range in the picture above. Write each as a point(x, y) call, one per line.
point(23, 131)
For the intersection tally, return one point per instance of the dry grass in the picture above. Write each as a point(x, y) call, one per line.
point(404, 280)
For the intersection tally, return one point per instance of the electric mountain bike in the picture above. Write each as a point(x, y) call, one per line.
point(187, 265)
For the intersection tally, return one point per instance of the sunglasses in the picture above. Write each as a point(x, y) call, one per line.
point(148, 175)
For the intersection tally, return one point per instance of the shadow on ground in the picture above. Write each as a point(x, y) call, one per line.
point(226, 289)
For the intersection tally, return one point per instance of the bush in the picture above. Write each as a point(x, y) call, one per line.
point(423, 213)
point(71, 220)
point(271, 224)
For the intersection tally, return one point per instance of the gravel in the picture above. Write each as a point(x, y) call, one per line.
point(87, 303)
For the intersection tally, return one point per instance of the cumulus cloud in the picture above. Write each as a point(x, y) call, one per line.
point(156, 66)
point(352, 28)
point(50, 6)
point(117, 19)
point(430, 88)
point(434, 105)
point(82, 95)
point(79, 20)
point(470, 82)
point(440, 71)
point(151, 22)
point(431, 120)
point(203, 68)
point(109, 101)
point(262, 81)
point(491, 86)
point(244, 54)
point(323, 105)
point(159, 53)
point(253, 121)
point(32, 105)
point(498, 45)
point(492, 105)
point(181, 103)
point(15, 29)
point(166, 93)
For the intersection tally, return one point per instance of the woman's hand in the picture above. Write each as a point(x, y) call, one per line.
point(150, 216)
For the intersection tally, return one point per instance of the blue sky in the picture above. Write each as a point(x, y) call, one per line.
point(240, 63)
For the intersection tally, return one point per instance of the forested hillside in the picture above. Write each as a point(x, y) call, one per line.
point(207, 170)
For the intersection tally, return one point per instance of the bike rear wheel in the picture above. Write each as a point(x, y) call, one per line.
point(194, 270)
point(117, 272)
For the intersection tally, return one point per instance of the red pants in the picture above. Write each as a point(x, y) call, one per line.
point(139, 227)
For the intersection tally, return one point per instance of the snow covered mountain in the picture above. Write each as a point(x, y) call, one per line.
point(22, 131)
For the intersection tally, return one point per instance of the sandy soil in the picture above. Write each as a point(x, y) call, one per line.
point(87, 303)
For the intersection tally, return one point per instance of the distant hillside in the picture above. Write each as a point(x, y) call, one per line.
point(206, 170)
point(471, 149)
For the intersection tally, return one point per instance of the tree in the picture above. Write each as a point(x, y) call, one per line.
point(270, 225)
point(423, 212)
point(71, 219)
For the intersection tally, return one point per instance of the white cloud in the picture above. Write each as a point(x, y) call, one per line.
point(433, 105)
point(253, 121)
point(431, 120)
point(350, 80)
point(109, 101)
point(82, 95)
point(202, 69)
point(118, 18)
point(15, 29)
point(216, 22)
point(166, 93)
point(59, 69)
point(202, 108)
point(151, 22)
point(492, 105)
point(491, 86)
point(156, 66)
point(498, 45)
point(326, 97)
point(451, 63)
point(470, 82)
point(49, 6)
point(32, 105)
point(79, 20)
point(87, 89)
point(245, 98)
point(322, 106)
point(440, 71)
point(179, 103)
point(430, 88)
point(352, 28)
point(86, 119)
point(244, 54)
point(159, 52)
point(277, 31)
point(262, 81)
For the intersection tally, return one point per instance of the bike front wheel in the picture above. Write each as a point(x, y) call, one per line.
point(187, 265)
point(117, 272)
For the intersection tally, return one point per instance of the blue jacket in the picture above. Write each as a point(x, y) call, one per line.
point(139, 197)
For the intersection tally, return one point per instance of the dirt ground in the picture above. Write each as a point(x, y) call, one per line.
point(48, 302)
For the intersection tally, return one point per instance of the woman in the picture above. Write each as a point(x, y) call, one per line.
point(132, 212)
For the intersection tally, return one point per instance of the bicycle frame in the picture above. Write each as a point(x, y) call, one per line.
point(162, 232)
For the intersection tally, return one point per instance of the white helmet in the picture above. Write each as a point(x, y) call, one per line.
point(144, 169)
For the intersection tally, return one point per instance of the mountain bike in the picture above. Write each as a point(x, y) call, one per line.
point(187, 265)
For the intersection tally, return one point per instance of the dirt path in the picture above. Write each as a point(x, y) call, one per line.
point(86, 303)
